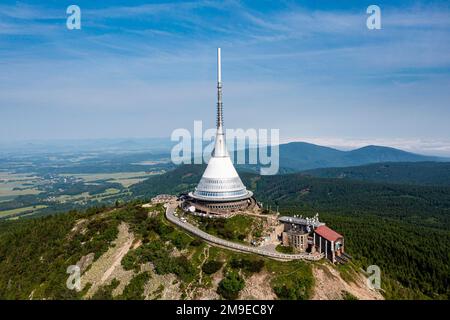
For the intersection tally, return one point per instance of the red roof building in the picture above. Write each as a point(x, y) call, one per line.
point(327, 233)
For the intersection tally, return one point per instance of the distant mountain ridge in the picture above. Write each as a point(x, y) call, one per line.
point(299, 156)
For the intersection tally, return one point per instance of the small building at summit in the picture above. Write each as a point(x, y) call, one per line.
point(310, 235)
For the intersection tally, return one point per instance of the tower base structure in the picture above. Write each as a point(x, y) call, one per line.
point(225, 208)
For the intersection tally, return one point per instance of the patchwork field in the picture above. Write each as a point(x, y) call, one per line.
point(124, 178)
point(62, 180)
point(63, 189)
point(27, 210)
point(17, 184)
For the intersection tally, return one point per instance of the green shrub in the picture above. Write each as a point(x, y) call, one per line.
point(211, 267)
point(247, 264)
point(105, 292)
point(285, 249)
point(297, 289)
point(348, 296)
point(196, 242)
point(180, 240)
point(135, 289)
point(231, 285)
point(140, 215)
point(130, 260)
point(183, 268)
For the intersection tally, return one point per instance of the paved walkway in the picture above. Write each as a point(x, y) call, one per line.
point(170, 209)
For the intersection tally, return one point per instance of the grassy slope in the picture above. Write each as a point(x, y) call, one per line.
point(236, 228)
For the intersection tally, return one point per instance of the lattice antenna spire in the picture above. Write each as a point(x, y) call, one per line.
point(219, 92)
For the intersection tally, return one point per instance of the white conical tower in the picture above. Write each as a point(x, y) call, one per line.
point(220, 181)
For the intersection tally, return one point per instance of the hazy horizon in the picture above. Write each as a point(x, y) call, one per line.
point(418, 147)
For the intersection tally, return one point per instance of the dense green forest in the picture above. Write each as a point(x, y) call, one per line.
point(418, 173)
point(181, 180)
point(404, 229)
point(35, 253)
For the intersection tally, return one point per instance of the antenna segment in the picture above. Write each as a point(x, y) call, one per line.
point(219, 92)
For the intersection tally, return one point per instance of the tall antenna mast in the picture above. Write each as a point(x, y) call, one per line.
point(220, 188)
point(219, 92)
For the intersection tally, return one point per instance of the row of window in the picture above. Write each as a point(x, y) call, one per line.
point(221, 194)
point(226, 207)
point(220, 187)
point(216, 181)
point(224, 182)
point(219, 181)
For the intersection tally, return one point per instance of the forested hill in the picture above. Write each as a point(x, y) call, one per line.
point(300, 156)
point(404, 229)
point(418, 173)
point(181, 180)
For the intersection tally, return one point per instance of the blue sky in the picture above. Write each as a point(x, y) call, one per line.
point(310, 68)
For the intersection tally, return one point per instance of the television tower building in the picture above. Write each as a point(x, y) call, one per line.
point(220, 190)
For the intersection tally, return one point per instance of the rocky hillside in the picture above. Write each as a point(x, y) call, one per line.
point(131, 252)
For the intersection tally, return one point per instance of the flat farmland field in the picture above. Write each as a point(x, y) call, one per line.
point(126, 179)
point(23, 183)
point(29, 210)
